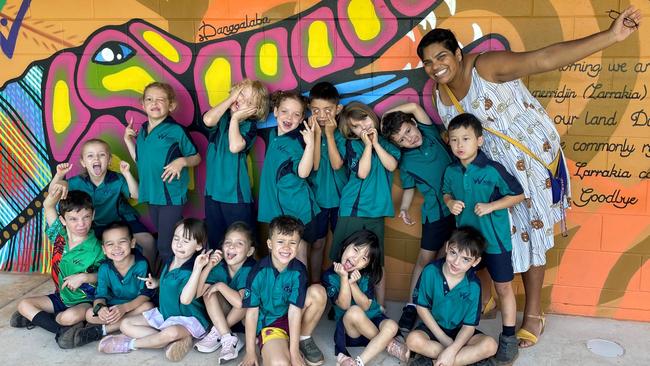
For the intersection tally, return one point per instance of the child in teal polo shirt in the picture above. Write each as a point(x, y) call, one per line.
point(423, 162)
point(232, 128)
point(479, 191)
point(109, 191)
point(163, 152)
point(284, 189)
point(366, 199)
point(448, 298)
point(76, 255)
point(282, 311)
point(330, 174)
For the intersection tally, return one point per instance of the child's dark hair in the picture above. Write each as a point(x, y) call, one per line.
point(438, 35)
point(119, 225)
point(467, 238)
point(326, 91)
point(280, 96)
point(466, 120)
point(392, 122)
point(171, 95)
point(194, 229)
point(286, 225)
point(241, 227)
point(360, 238)
point(75, 201)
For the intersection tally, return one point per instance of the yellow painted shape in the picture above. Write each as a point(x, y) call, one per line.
point(218, 78)
point(132, 78)
point(160, 44)
point(364, 19)
point(61, 115)
point(269, 59)
point(319, 52)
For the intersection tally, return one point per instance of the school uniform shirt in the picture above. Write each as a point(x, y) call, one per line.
point(117, 289)
point(326, 182)
point(369, 197)
point(109, 197)
point(237, 282)
point(423, 168)
point(332, 283)
point(451, 308)
point(282, 191)
point(227, 177)
point(85, 257)
point(171, 286)
point(483, 181)
point(272, 291)
point(167, 142)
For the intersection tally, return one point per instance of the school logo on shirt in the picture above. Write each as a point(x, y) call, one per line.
point(247, 293)
point(331, 291)
point(483, 181)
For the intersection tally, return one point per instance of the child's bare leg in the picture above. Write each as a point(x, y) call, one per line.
point(486, 286)
point(478, 348)
point(114, 327)
point(380, 288)
point(235, 316)
point(137, 327)
point(72, 315)
point(303, 250)
point(424, 258)
point(507, 302)
point(148, 244)
point(419, 342)
point(162, 338)
point(216, 313)
point(316, 259)
point(357, 324)
point(30, 306)
point(315, 302)
point(276, 353)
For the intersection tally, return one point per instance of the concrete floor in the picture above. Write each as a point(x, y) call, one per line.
point(563, 342)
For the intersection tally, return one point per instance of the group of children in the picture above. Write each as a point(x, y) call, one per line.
point(210, 283)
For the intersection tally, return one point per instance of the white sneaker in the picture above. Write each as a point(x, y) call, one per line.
point(210, 342)
point(230, 347)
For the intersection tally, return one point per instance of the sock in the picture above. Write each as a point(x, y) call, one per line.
point(508, 331)
point(132, 344)
point(359, 361)
point(46, 321)
point(216, 331)
point(302, 338)
point(104, 332)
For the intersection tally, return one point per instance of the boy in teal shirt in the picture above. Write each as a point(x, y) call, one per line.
point(282, 312)
point(448, 298)
point(478, 191)
point(76, 256)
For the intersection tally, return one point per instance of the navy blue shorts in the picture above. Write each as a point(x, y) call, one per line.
point(435, 234)
point(342, 340)
point(310, 234)
point(326, 219)
point(220, 215)
point(498, 265)
point(57, 303)
point(452, 333)
point(135, 225)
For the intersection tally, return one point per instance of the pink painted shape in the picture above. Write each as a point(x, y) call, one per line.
point(137, 29)
point(285, 79)
point(407, 95)
point(195, 208)
point(368, 48)
point(230, 50)
point(427, 102)
point(412, 8)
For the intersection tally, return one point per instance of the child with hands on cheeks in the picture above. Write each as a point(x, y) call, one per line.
point(359, 320)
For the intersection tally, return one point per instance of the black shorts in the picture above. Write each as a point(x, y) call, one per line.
point(451, 333)
point(341, 339)
point(310, 233)
point(498, 265)
point(326, 219)
point(435, 234)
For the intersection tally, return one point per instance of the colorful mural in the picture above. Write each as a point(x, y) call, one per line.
point(76, 88)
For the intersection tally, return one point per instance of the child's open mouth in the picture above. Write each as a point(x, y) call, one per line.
point(286, 125)
point(348, 265)
point(230, 256)
point(97, 169)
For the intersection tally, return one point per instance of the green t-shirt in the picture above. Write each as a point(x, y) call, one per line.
point(326, 182)
point(332, 283)
point(85, 257)
point(369, 197)
point(272, 291)
point(117, 289)
point(423, 167)
point(227, 177)
point(483, 181)
point(237, 282)
point(167, 142)
point(171, 286)
point(451, 308)
point(109, 197)
point(282, 191)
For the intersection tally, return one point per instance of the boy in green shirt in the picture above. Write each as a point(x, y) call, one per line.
point(75, 259)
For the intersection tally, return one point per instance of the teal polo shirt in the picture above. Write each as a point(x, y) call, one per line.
point(370, 197)
point(282, 191)
point(451, 308)
point(483, 181)
point(423, 168)
point(227, 177)
point(167, 142)
point(85, 257)
point(109, 197)
point(237, 282)
point(117, 289)
point(272, 291)
point(171, 286)
point(326, 182)
point(332, 283)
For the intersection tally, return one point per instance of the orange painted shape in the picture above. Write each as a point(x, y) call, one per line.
point(591, 268)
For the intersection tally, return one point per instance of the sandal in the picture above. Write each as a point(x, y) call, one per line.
point(525, 335)
point(490, 309)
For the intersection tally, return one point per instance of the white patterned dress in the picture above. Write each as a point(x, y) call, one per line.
point(510, 109)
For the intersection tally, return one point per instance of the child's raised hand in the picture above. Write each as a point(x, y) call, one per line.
point(482, 209)
point(63, 169)
point(129, 132)
point(215, 258)
point(404, 214)
point(340, 270)
point(57, 191)
point(244, 114)
point(73, 282)
point(104, 313)
point(330, 124)
point(202, 259)
point(173, 170)
point(374, 137)
point(365, 138)
point(355, 276)
point(456, 207)
point(149, 281)
point(626, 23)
point(125, 168)
point(307, 134)
point(312, 121)
point(116, 312)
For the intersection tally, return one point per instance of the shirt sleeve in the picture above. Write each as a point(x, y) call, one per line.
point(187, 146)
point(252, 291)
point(74, 183)
point(248, 131)
point(507, 184)
point(473, 314)
point(332, 285)
point(390, 148)
point(446, 181)
point(299, 288)
point(407, 179)
point(124, 187)
point(54, 230)
point(423, 293)
point(102, 283)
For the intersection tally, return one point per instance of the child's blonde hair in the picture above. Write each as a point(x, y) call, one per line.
point(84, 172)
point(355, 111)
point(171, 95)
point(260, 97)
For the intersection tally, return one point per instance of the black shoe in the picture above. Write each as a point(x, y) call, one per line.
point(508, 350)
point(487, 362)
point(83, 336)
point(19, 321)
point(408, 318)
point(419, 360)
point(65, 336)
point(331, 314)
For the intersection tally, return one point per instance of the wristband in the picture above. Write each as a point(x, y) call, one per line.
point(97, 308)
